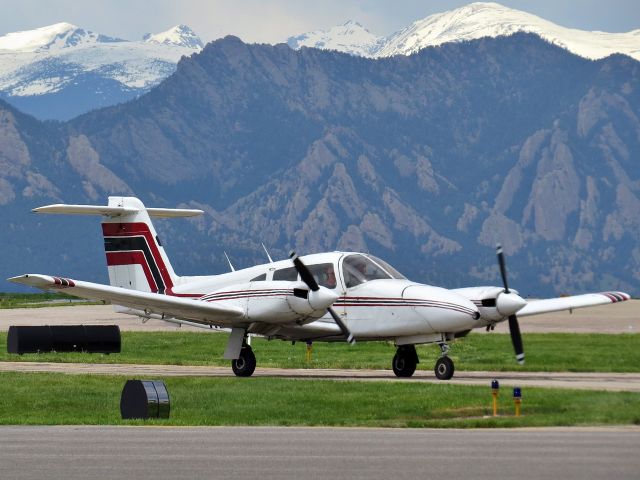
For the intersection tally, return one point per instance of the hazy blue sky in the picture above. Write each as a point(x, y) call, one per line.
point(275, 20)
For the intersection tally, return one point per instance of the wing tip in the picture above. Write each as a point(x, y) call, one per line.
point(42, 281)
point(616, 297)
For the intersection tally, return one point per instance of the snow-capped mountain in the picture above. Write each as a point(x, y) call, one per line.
point(52, 37)
point(350, 37)
point(63, 70)
point(478, 20)
point(179, 36)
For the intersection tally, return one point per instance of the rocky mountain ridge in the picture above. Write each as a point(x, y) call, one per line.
point(425, 160)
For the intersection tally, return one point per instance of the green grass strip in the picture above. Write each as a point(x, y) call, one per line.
point(53, 398)
point(38, 300)
point(559, 352)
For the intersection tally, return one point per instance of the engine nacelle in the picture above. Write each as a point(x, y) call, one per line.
point(275, 302)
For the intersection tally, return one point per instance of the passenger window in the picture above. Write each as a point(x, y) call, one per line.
point(324, 274)
point(290, 274)
point(259, 278)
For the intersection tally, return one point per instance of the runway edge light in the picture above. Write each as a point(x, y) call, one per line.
point(495, 388)
point(517, 400)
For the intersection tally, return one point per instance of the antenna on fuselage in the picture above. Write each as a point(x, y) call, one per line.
point(230, 264)
point(267, 252)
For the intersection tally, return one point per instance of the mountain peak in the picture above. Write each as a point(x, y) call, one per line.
point(52, 37)
point(490, 19)
point(350, 37)
point(470, 22)
point(180, 35)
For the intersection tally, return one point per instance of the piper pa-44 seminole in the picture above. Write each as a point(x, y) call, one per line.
point(335, 296)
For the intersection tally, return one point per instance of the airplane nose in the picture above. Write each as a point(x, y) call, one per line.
point(445, 310)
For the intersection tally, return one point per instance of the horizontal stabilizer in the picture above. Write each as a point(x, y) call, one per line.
point(61, 208)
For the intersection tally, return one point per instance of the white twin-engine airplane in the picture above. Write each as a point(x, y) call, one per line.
point(336, 296)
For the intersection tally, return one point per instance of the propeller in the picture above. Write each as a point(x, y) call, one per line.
point(310, 281)
point(510, 302)
point(503, 268)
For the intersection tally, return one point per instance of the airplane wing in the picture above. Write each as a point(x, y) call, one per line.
point(206, 313)
point(536, 307)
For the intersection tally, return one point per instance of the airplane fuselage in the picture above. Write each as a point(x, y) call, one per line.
point(374, 308)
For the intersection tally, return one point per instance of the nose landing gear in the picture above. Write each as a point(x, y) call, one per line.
point(444, 366)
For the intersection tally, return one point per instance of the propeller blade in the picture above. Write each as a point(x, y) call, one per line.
point(304, 272)
point(345, 331)
point(516, 338)
point(503, 268)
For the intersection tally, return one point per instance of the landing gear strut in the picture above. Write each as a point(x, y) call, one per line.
point(245, 364)
point(405, 361)
point(444, 366)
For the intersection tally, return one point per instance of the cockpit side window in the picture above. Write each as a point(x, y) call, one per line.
point(290, 274)
point(324, 274)
point(259, 278)
point(359, 269)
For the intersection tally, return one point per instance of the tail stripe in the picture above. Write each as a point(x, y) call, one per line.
point(136, 245)
point(129, 258)
point(136, 237)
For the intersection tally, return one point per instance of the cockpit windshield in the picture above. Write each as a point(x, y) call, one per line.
point(392, 271)
point(359, 269)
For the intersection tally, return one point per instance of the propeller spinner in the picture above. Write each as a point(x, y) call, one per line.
point(310, 281)
point(508, 303)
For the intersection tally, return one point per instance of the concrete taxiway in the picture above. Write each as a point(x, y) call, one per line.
point(622, 317)
point(616, 382)
point(156, 453)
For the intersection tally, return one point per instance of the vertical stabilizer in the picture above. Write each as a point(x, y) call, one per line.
point(135, 256)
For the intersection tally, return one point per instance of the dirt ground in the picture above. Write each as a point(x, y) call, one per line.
point(615, 318)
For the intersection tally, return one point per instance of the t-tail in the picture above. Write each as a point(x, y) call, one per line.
point(135, 256)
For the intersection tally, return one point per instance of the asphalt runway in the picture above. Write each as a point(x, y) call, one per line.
point(615, 382)
point(155, 453)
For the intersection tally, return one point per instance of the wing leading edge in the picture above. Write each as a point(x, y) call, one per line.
point(536, 307)
point(189, 309)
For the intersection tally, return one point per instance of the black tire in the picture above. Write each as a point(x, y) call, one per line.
point(444, 368)
point(405, 361)
point(245, 364)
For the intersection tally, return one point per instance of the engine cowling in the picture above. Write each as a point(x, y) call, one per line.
point(276, 302)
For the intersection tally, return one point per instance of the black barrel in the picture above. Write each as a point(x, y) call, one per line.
point(64, 338)
point(103, 338)
point(29, 339)
point(68, 338)
point(144, 399)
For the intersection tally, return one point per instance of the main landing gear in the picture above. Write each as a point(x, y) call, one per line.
point(406, 359)
point(245, 364)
